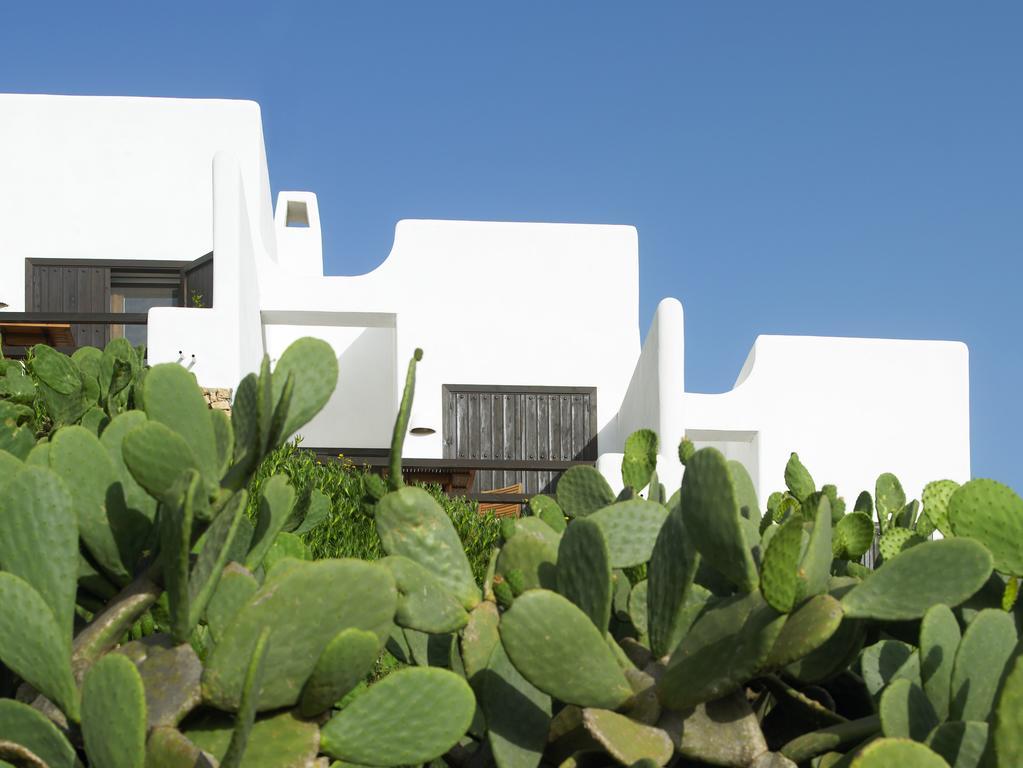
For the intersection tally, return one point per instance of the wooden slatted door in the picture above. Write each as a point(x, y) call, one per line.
point(73, 288)
point(521, 423)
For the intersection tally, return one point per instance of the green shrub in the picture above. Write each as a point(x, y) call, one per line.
point(347, 531)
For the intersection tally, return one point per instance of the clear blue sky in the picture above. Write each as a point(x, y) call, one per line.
point(851, 169)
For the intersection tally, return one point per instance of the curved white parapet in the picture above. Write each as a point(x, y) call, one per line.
point(852, 409)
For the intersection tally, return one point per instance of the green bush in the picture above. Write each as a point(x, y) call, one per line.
point(347, 531)
point(700, 629)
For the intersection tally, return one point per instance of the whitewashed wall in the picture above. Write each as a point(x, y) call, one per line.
point(490, 303)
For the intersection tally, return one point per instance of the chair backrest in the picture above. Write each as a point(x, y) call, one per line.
point(502, 510)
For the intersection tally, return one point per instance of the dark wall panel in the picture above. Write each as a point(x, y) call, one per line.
point(73, 288)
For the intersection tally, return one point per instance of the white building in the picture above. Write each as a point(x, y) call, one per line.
point(531, 331)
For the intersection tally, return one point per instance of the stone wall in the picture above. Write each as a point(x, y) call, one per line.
point(218, 397)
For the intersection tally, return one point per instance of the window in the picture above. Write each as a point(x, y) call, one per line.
point(139, 291)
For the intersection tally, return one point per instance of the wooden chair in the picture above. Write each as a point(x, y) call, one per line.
point(502, 510)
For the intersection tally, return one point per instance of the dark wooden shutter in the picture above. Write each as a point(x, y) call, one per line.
point(71, 288)
point(524, 423)
point(199, 282)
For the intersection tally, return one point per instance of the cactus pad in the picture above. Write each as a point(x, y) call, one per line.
point(36, 517)
point(313, 365)
point(583, 490)
point(778, 578)
point(173, 399)
point(712, 518)
point(939, 641)
point(423, 603)
point(584, 570)
point(411, 523)
point(885, 753)
point(479, 638)
point(304, 617)
point(723, 732)
point(555, 646)
point(987, 645)
point(234, 589)
point(630, 529)
point(906, 712)
point(1007, 728)
point(936, 496)
point(673, 565)
point(853, 535)
point(896, 540)
point(33, 645)
point(517, 714)
point(640, 459)
point(434, 708)
point(798, 479)
point(947, 571)
point(22, 724)
point(805, 630)
point(992, 514)
point(627, 740)
point(887, 661)
point(961, 744)
point(281, 740)
point(114, 713)
point(889, 498)
point(726, 645)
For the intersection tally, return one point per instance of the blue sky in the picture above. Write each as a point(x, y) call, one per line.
point(849, 169)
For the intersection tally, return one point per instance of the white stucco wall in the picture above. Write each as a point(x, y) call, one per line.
point(118, 178)
point(852, 409)
point(490, 303)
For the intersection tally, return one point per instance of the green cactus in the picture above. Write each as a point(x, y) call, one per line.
point(905, 753)
point(582, 491)
point(852, 536)
point(640, 460)
point(114, 713)
point(961, 744)
point(433, 706)
point(939, 640)
point(946, 572)
point(423, 602)
point(630, 528)
point(583, 671)
point(896, 540)
point(517, 714)
point(906, 712)
point(724, 648)
point(778, 576)
point(626, 740)
point(985, 650)
point(1007, 728)
point(992, 514)
point(712, 518)
point(33, 645)
point(798, 479)
point(412, 524)
point(584, 570)
point(246, 717)
point(936, 496)
point(303, 618)
point(24, 725)
point(805, 630)
point(673, 565)
point(889, 499)
point(279, 740)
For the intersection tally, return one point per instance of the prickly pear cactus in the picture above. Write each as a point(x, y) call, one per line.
point(667, 626)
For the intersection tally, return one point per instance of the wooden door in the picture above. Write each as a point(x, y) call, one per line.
point(520, 423)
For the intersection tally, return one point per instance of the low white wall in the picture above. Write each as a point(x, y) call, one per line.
point(851, 408)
